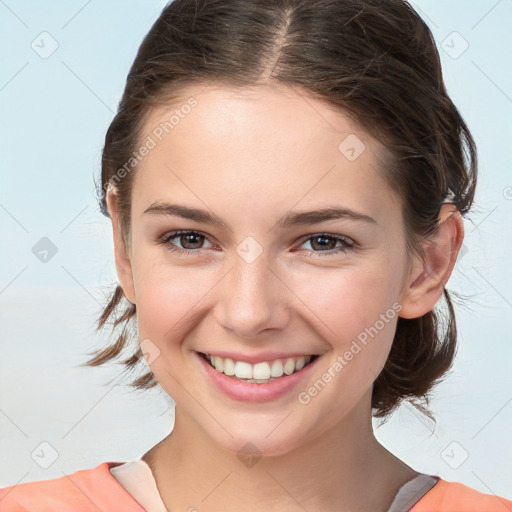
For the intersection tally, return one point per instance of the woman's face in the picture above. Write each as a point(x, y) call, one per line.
point(260, 283)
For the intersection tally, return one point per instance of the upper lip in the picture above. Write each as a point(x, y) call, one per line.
point(257, 358)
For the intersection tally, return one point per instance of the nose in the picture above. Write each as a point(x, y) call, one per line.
point(253, 298)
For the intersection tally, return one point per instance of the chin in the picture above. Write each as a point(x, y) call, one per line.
point(248, 440)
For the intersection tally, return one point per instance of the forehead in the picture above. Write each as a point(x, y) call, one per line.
point(267, 111)
point(268, 142)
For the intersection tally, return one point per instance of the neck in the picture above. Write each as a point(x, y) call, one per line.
point(344, 468)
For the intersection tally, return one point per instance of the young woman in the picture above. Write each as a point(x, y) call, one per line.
point(286, 181)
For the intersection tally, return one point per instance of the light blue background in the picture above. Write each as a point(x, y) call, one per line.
point(54, 114)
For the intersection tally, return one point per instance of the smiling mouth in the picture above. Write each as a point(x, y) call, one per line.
point(260, 373)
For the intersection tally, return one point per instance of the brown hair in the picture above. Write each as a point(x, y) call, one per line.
point(374, 59)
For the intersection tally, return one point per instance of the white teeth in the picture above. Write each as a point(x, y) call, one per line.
point(218, 363)
point(277, 369)
point(289, 366)
point(229, 367)
point(260, 372)
point(258, 381)
point(243, 370)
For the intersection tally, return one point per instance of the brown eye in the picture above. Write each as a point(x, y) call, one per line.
point(323, 242)
point(191, 241)
point(326, 243)
point(184, 242)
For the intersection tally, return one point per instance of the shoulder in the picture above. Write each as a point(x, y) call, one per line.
point(86, 490)
point(457, 497)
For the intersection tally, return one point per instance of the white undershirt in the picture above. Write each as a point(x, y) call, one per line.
point(136, 477)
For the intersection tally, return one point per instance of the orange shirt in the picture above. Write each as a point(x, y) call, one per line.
point(90, 490)
point(456, 497)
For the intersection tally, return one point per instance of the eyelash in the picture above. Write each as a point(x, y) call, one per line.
point(348, 244)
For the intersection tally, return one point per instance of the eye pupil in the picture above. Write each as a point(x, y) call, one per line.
point(190, 236)
point(191, 243)
point(330, 241)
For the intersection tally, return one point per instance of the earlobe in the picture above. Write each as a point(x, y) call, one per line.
point(122, 259)
point(430, 274)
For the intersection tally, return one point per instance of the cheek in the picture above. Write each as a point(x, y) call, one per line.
point(356, 312)
point(341, 304)
point(167, 299)
point(347, 302)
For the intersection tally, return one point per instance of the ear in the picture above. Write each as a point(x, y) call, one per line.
point(428, 277)
point(123, 263)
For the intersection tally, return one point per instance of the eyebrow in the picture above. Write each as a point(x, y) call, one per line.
point(303, 218)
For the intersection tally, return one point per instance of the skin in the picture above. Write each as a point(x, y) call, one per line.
point(251, 156)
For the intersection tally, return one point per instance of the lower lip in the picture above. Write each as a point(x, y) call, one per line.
point(252, 391)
